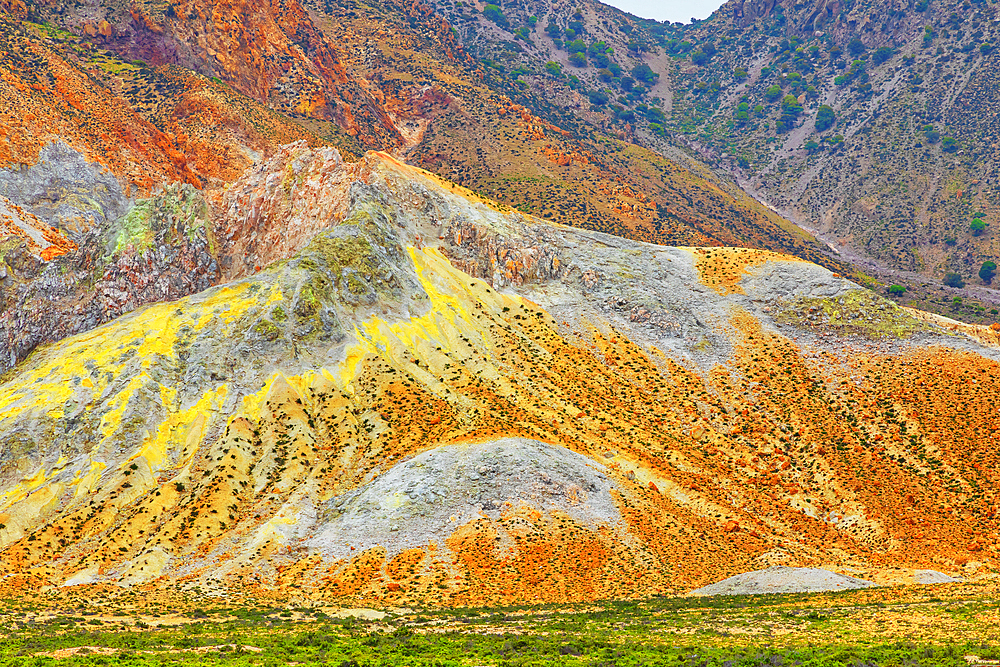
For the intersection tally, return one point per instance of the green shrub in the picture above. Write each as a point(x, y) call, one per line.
point(881, 54)
point(987, 271)
point(897, 290)
point(645, 74)
point(495, 14)
point(953, 280)
point(825, 118)
point(977, 226)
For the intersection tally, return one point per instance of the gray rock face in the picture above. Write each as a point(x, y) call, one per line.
point(128, 254)
point(66, 191)
point(426, 498)
point(933, 577)
point(780, 579)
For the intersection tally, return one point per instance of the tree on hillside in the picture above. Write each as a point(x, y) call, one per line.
point(825, 118)
point(897, 290)
point(881, 54)
point(977, 226)
point(953, 280)
point(495, 14)
point(773, 93)
point(645, 74)
point(987, 271)
point(856, 47)
point(577, 59)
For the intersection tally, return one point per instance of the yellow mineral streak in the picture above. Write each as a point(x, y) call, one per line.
point(61, 373)
point(86, 482)
point(182, 430)
point(452, 295)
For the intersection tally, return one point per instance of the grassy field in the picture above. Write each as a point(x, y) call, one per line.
point(930, 625)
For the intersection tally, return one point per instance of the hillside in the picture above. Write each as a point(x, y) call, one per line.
point(425, 397)
point(892, 173)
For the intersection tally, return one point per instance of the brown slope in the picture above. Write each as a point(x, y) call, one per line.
point(270, 52)
point(149, 126)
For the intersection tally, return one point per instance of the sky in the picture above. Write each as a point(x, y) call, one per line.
point(668, 10)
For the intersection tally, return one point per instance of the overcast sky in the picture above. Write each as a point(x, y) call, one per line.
point(668, 10)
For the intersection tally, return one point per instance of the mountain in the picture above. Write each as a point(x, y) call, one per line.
point(428, 303)
point(423, 396)
point(867, 123)
point(161, 96)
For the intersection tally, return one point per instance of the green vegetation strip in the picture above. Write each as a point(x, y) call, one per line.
point(818, 630)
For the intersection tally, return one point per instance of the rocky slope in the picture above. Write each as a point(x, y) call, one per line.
point(867, 123)
point(415, 395)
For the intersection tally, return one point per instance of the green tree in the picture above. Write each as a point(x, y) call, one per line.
point(897, 290)
point(598, 98)
point(598, 53)
point(495, 14)
point(825, 118)
point(953, 280)
point(577, 59)
point(553, 68)
point(699, 57)
point(856, 47)
point(948, 144)
point(977, 226)
point(987, 271)
point(881, 54)
point(644, 73)
point(773, 93)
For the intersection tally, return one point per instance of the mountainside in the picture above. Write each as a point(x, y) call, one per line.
point(422, 396)
point(869, 124)
point(885, 143)
point(159, 96)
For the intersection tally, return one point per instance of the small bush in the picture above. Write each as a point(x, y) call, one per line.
point(897, 290)
point(495, 14)
point(987, 271)
point(881, 54)
point(825, 118)
point(953, 280)
point(645, 74)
